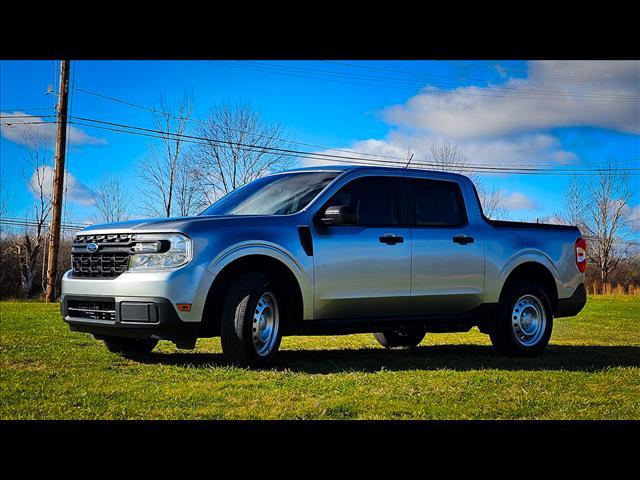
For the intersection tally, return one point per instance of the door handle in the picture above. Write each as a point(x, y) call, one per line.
point(391, 239)
point(462, 239)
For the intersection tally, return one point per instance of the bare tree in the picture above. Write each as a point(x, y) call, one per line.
point(239, 148)
point(27, 245)
point(492, 201)
point(447, 156)
point(599, 207)
point(574, 208)
point(162, 168)
point(112, 199)
point(189, 194)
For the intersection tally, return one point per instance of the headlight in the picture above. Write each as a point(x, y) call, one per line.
point(159, 251)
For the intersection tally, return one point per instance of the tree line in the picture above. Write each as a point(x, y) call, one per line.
point(178, 178)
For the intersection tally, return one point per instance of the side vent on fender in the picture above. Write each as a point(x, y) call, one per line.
point(304, 232)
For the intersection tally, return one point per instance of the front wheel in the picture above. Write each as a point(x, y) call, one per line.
point(251, 323)
point(525, 321)
point(407, 338)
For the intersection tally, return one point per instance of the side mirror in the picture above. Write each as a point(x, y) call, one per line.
point(338, 215)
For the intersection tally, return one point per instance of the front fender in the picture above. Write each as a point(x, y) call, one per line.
point(302, 273)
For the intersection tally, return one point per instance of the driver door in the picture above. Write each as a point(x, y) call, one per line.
point(363, 268)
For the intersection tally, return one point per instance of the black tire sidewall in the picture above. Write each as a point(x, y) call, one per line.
point(407, 338)
point(504, 332)
point(241, 334)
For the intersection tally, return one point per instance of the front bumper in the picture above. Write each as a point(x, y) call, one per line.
point(188, 284)
point(569, 307)
point(136, 317)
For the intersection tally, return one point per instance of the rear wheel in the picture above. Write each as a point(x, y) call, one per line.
point(129, 346)
point(400, 338)
point(251, 323)
point(525, 321)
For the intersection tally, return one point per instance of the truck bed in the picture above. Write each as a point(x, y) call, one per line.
point(530, 225)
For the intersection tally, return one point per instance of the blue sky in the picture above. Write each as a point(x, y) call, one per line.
point(493, 110)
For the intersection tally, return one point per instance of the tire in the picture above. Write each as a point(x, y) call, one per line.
point(252, 321)
point(407, 338)
point(525, 321)
point(129, 346)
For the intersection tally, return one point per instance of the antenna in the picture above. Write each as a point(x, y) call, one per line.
point(410, 158)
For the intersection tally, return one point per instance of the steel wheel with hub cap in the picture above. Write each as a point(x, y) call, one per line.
point(266, 323)
point(251, 323)
point(528, 320)
point(524, 322)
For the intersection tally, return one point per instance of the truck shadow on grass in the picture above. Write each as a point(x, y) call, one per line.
point(437, 357)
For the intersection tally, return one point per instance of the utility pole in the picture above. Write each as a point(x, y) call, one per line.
point(58, 181)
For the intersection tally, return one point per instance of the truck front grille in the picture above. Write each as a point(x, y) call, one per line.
point(94, 310)
point(109, 260)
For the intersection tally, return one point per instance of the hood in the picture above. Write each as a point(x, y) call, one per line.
point(182, 224)
point(174, 224)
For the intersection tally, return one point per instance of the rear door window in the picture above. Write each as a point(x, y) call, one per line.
point(438, 203)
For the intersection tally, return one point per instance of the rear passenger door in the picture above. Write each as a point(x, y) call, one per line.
point(447, 254)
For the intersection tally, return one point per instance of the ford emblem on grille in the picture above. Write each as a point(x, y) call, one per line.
point(92, 247)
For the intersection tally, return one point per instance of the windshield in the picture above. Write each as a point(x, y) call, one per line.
point(273, 195)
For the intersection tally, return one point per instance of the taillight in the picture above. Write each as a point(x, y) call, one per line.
point(581, 254)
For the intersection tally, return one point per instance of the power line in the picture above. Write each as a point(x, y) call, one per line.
point(15, 109)
point(324, 147)
point(250, 147)
point(153, 133)
point(296, 152)
point(32, 223)
point(27, 116)
point(203, 122)
point(457, 77)
point(500, 92)
point(363, 159)
point(542, 69)
point(490, 88)
point(18, 124)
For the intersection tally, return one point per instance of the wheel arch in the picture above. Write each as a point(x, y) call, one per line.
point(536, 271)
point(251, 260)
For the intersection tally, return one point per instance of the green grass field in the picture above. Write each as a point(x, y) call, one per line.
point(590, 371)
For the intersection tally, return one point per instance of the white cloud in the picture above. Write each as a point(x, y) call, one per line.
point(535, 148)
point(633, 214)
point(502, 109)
point(75, 191)
point(492, 125)
point(517, 201)
point(46, 131)
point(521, 149)
point(364, 147)
point(516, 149)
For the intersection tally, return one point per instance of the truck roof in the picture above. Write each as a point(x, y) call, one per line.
point(343, 168)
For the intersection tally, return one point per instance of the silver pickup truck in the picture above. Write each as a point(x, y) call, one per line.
point(326, 251)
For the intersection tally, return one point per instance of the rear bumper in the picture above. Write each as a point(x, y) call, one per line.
point(134, 317)
point(569, 307)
